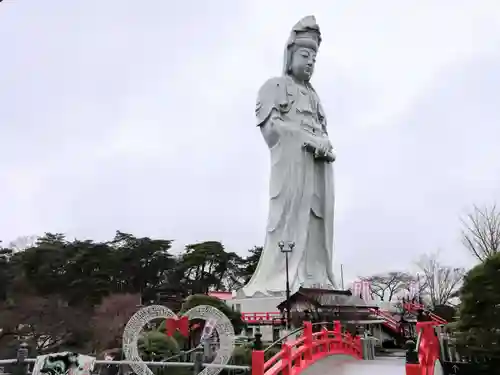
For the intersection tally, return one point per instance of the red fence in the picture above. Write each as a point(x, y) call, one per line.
point(428, 350)
point(260, 317)
point(270, 317)
point(389, 321)
point(301, 353)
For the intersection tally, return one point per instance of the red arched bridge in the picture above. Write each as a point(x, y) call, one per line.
point(301, 353)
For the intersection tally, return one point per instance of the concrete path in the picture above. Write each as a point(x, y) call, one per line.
point(380, 366)
point(345, 365)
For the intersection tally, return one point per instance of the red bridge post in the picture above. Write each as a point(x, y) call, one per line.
point(428, 350)
point(287, 359)
point(327, 346)
point(258, 362)
point(412, 369)
point(308, 341)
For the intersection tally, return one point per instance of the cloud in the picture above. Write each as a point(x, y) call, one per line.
point(139, 117)
point(419, 175)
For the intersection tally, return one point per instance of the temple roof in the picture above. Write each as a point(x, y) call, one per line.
point(327, 298)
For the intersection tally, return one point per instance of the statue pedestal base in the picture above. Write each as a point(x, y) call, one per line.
point(259, 312)
point(258, 303)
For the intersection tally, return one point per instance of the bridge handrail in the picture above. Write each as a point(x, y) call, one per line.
point(417, 306)
point(280, 340)
point(388, 317)
point(298, 354)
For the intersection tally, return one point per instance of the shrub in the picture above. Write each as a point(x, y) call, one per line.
point(479, 312)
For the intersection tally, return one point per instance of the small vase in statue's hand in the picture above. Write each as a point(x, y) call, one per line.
point(320, 152)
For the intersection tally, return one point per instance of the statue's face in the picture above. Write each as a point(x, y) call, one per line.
point(303, 61)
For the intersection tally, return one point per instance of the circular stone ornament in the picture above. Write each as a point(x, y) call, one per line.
point(135, 325)
point(225, 331)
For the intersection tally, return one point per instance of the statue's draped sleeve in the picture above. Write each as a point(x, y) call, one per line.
point(322, 118)
point(272, 96)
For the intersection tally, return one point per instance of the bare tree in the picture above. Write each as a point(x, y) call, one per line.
point(416, 286)
point(481, 232)
point(387, 286)
point(442, 282)
point(110, 317)
point(47, 322)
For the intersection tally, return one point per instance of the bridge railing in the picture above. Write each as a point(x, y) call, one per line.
point(300, 353)
point(103, 367)
point(389, 320)
point(24, 366)
point(413, 307)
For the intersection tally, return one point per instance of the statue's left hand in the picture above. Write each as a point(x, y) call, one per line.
point(329, 145)
point(333, 153)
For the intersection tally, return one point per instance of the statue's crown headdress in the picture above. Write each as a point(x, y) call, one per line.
point(305, 33)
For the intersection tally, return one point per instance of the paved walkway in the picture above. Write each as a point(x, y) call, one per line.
point(344, 365)
point(380, 366)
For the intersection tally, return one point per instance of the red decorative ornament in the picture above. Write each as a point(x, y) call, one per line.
point(181, 324)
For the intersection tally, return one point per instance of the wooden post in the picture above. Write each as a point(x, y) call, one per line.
point(337, 328)
point(21, 367)
point(325, 337)
point(337, 331)
point(198, 363)
point(308, 341)
point(257, 343)
point(286, 359)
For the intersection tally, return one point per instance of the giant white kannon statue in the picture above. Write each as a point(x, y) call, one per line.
point(301, 201)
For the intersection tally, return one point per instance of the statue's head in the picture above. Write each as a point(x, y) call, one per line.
point(301, 49)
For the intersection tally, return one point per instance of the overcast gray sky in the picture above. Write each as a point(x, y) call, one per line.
point(139, 116)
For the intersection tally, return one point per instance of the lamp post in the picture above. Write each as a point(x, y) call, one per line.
point(287, 250)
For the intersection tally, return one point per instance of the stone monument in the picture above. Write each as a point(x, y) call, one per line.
point(301, 197)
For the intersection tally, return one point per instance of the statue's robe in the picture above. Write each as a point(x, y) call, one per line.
point(301, 201)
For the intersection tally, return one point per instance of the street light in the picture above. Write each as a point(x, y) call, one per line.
point(287, 250)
